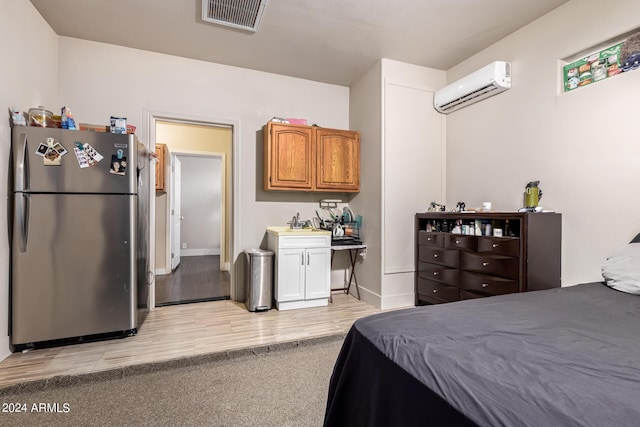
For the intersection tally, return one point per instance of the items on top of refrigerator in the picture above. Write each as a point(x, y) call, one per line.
point(17, 118)
point(40, 116)
point(67, 119)
point(118, 124)
point(131, 129)
point(95, 128)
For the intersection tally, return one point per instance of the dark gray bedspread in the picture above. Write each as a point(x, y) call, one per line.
point(561, 357)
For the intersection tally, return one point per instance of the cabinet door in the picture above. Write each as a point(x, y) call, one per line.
point(338, 160)
point(318, 263)
point(160, 148)
point(290, 276)
point(288, 154)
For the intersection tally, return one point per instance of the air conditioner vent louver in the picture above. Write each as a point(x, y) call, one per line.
point(242, 14)
point(468, 97)
point(484, 83)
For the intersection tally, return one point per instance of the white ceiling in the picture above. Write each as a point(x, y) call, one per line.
point(332, 41)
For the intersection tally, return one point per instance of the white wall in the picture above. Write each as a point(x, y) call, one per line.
point(366, 116)
point(99, 80)
point(402, 171)
point(582, 145)
point(200, 205)
point(28, 75)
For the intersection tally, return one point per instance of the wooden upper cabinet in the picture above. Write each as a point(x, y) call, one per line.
point(288, 157)
point(307, 158)
point(337, 160)
point(160, 152)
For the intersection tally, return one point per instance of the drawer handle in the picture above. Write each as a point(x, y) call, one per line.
point(435, 290)
point(495, 245)
point(485, 285)
point(484, 264)
point(435, 255)
point(435, 273)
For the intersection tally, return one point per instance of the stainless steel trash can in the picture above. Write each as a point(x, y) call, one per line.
point(258, 279)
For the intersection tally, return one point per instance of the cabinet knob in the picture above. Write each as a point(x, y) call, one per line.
point(457, 242)
point(435, 273)
point(495, 245)
point(484, 264)
point(435, 255)
point(429, 239)
point(485, 285)
point(435, 290)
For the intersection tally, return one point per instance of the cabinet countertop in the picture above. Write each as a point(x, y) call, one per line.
point(287, 231)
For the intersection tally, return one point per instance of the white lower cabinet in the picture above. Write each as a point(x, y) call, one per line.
point(302, 270)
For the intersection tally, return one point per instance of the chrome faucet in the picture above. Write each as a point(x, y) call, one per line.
point(295, 221)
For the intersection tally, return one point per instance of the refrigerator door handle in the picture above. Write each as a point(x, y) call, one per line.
point(22, 165)
point(22, 214)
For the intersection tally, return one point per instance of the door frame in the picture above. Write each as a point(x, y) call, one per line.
point(223, 192)
point(151, 117)
point(171, 206)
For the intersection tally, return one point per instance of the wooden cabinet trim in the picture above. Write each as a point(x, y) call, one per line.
point(337, 160)
point(160, 150)
point(288, 152)
point(331, 159)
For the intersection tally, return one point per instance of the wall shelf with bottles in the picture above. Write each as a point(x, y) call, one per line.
point(473, 255)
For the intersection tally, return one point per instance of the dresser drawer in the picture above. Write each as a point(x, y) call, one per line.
point(430, 239)
point(470, 295)
point(438, 273)
point(448, 257)
point(437, 291)
point(499, 265)
point(491, 285)
point(462, 242)
point(499, 245)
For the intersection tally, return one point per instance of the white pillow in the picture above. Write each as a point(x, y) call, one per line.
point(621, 270)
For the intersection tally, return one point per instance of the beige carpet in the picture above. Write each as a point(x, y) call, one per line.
point(277, 385)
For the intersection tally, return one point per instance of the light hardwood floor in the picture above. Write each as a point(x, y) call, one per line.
point(187, 330)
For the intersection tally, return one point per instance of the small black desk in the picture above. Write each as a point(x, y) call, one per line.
point(354, 250)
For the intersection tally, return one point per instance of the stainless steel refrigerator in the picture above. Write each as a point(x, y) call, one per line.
point(79, 229)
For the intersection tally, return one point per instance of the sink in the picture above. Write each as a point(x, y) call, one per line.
point(284, 230)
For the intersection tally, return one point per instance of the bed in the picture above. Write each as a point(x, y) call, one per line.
point(567, 356)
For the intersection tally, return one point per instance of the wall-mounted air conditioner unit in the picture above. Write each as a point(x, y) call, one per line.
point(486, 82)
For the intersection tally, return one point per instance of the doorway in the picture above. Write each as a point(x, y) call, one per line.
point(193, 214)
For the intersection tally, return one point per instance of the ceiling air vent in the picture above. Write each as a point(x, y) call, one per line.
point(242, 14)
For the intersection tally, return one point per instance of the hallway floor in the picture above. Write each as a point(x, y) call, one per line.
point(196, 279)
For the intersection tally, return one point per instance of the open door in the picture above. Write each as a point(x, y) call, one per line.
point(176, 215)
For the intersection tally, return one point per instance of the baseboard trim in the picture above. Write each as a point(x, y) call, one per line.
point(398, 301)
point(199, 252)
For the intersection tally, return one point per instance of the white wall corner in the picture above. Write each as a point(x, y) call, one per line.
point(4, 348)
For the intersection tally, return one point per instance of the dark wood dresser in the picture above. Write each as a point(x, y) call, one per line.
point(459, 256)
